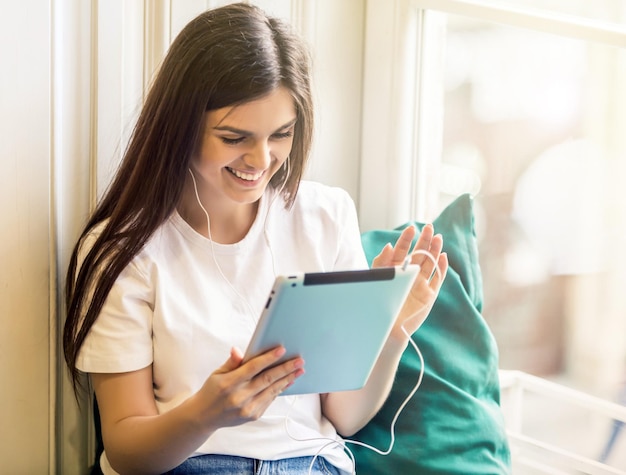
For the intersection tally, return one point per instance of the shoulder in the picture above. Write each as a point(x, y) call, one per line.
point(316, 189)
point(323, 198)
point(160, 238)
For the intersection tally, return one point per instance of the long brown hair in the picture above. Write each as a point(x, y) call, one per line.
point(226, 56)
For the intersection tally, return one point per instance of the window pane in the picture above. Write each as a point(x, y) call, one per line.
point(535, 129)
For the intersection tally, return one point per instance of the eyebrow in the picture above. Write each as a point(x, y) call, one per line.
point(235, 130)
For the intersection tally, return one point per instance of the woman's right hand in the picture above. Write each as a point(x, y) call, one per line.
point(240, 392)
point(138, 439)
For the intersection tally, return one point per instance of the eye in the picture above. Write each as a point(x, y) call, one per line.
point(232, 140)
point(283, 135)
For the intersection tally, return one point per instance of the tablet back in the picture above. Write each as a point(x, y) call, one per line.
point(337, 321)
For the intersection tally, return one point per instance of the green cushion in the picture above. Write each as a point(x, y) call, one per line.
point(453, 424)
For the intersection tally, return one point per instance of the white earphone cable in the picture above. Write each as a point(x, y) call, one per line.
point(328, 441)
point(343, 443)
point(265, 234)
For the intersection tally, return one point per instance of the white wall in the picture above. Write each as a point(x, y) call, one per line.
point(72, 79)
point(25, 258)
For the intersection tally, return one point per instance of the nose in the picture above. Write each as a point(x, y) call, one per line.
point(260, 157)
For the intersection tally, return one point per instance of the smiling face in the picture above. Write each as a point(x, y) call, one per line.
point(242, 147)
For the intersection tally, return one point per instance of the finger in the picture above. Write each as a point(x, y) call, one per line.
point(257, 375)
point(254, 397)
point(249, 369)
point(422, 245)
point(276, 379)
point(425, 238)
point(428, 258)
point(263, 398)
point(233, 362)
point(236, 355)
point(384, 258)
point(269, 366)
point(403, 245)
point(438, 277)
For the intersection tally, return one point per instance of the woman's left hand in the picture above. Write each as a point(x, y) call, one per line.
point(424, 292)
point(349, 411)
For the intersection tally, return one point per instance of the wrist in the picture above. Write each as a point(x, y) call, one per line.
point(195, 416)
point(396, 343)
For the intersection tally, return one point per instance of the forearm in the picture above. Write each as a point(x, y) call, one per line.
point(154, 443)
point(138, 440)
point(350, 411)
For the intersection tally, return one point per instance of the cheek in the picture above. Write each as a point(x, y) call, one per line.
point(211, 155)
point(282, 155)
point(283, 150)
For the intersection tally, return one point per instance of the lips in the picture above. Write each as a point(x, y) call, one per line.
point(246, 176)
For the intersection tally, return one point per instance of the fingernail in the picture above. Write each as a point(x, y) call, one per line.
point(280, 351)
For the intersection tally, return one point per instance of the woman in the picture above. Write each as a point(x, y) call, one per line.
point(171, 271)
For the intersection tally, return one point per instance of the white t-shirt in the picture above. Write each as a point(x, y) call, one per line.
point(184, 301)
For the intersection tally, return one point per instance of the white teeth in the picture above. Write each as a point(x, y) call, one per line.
point(246, 176)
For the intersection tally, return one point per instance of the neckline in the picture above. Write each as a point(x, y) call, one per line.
point(198, 239)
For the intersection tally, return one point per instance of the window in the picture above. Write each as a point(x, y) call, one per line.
point(533, 113)
point(533, 127)
point(520, 103)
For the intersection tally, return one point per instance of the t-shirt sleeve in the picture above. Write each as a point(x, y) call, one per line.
point(121, 338)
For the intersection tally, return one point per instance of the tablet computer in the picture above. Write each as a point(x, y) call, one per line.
point(337, 322)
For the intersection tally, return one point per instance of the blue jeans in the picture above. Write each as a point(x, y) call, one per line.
point(212, 464)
